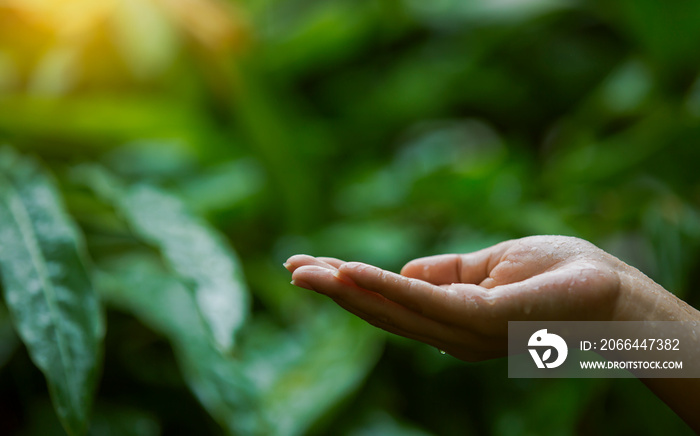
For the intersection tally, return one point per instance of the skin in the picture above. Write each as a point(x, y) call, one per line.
point(461, 303)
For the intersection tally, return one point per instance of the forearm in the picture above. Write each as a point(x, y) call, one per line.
point(642, 299)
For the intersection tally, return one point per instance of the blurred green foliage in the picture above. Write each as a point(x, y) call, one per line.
point(193, 146)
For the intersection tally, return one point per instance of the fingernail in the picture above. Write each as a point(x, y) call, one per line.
point(343, 278)
point(302, 284)
point(287, 266)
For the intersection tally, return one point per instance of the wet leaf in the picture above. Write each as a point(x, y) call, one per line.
point(276, 383)
point(197, 253)
point(138, 284)
point(192, 249)
point(47, 289)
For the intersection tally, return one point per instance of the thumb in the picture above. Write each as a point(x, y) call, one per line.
point(446, 269)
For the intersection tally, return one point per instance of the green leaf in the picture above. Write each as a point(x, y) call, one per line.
point(197, 253)
point(301, 376)
point(138, 283)
point(47, 289)
point(191, 248)
point(280, 382)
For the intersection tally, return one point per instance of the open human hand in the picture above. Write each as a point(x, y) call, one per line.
point(461, 303)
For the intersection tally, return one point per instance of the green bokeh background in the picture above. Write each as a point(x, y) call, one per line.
point(378, 131)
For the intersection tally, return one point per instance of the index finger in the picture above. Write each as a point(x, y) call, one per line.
point(438, 303)
point(299, 260)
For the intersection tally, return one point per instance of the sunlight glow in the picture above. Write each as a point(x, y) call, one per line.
point(53, 46)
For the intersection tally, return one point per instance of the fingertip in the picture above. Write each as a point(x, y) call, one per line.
point(436, 269)
point(343, 278)
point(300, 259)
point(488, 283)
point(296, 261)
point(311, 277)
point(302, 284)
point(309, 270)
point(413, 268)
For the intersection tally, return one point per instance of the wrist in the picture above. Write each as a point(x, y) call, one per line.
point(642, 299)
